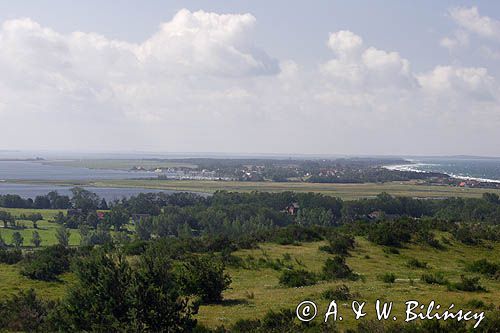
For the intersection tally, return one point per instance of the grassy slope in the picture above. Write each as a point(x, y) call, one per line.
point(269, 295)
point(263, 283)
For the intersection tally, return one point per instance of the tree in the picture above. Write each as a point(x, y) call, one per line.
point(112, 295)
point(103, 205)
point(17, 239)
point(5, 217)
point(36, 240)
point(204, 276)
point(62, 235)
point(42, 202)
point(35, 218)
point(3, 244)
point(144, 229)
point(118, 216)
point(84, 200)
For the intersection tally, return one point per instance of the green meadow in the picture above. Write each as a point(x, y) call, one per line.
point(256, 290)
point(344, 191)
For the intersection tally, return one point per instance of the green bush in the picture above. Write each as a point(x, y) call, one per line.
point(436, 278)
point(388, 277)
point(10, 257)
point(341, 293)
point(337, 268)
point(485, 267)
point(203, 276)
point(47, 264)
point(479, 304)
point(415, 263)
point(467, 284)
point(297, 278)
point(339, 244)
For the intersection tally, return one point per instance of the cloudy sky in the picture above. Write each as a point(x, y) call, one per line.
point(317, 77)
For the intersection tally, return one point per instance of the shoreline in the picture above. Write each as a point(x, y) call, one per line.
point(411, 167)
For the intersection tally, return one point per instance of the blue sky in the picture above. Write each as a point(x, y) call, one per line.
point(436, 60)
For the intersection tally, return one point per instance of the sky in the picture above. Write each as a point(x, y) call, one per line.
point(274, 77)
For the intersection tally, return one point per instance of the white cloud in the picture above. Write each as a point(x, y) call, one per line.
point(367, 67)
point(200, 84)
point(471, 20)
point(469, 82)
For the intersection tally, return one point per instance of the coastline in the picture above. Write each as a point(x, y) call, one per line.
point(413, 168)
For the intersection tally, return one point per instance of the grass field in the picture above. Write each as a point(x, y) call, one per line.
point(256, 291)
point(269, 295)
point(46, 228)
point(345, 191)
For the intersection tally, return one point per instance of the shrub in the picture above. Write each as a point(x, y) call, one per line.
point(391, 250)
point(297, 278)
point(203, 276)
point(436, 278)
point(135, 248)
point(46, 264)
point(415, 263)
point(24, 312)
point(467, 284)
point(339, 244)
point(10, 257)
point(389, 233)
point(479, 304)
point(341, 293)
point(337, 268)
point(485, 267)
point(388, 277)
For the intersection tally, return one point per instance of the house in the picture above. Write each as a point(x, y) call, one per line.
point(292, 208)
point(100, 215)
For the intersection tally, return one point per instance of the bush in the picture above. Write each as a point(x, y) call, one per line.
point(391, 250)
point(297, 278)
point(415, 263)
point(389, 233)
point(203, 276)
point(388, 277)
point(436, 278)
point(467, 284)
point(47, 264)
point(337, 268)
point(10, 257)
point(341, 293)
point(485, 267)
point(339, 244)
point(135, 248)
point(24, 312)
point(479, 304)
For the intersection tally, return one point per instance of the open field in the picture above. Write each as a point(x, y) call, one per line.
point(269, 295)
point(46, 228)
point(255, 291)
point(120, 164)
point(344, 191)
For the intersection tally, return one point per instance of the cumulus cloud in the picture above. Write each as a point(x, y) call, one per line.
point(471, 20)
point(200, 83)
point(368, 67)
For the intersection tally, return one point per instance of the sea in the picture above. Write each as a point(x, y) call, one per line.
point(473, 168)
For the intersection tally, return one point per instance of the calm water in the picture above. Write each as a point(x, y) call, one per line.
point(27, 170)
point(110, 194)
point(21, 170)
